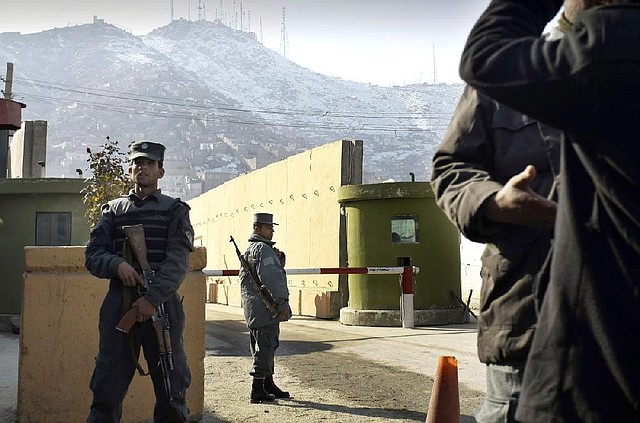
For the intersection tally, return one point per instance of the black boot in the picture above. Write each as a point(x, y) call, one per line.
point(258, 392)
point(271, 388)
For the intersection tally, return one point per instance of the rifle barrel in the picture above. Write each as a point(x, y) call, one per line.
point(266, 297)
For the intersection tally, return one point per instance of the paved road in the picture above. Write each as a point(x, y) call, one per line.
point(9, 344)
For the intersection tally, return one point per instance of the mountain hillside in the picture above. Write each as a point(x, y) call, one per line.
point(223, 103)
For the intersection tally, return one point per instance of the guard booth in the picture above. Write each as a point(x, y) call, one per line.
point(399, 224)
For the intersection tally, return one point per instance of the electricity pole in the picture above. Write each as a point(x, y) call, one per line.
point(8, 82)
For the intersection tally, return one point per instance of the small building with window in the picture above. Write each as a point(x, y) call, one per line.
point(399, 224)
point(40, 212)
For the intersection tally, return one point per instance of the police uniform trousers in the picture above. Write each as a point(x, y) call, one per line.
point(115, 365)
point(263, 343)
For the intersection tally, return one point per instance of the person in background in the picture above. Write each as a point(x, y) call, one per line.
point(583, 365)
point(264, 331)
point(169, 240)
point(491, 177)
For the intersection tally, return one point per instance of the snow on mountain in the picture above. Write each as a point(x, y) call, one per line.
point(220, 100)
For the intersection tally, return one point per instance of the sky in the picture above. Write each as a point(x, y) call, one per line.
point(381, 42)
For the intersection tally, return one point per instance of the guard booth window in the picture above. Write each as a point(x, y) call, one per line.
point(53, 228)
point(404, 229)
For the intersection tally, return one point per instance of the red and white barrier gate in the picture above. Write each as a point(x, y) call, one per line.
point(407, 281)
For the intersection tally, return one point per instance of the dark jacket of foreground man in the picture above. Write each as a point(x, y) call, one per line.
point(585, 359)
point(486, 144)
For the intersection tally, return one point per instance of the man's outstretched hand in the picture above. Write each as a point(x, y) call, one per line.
point(518, 204)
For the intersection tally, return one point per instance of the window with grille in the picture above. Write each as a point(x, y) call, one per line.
point(53, 228)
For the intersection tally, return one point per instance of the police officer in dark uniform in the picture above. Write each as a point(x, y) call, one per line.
point(169, 240)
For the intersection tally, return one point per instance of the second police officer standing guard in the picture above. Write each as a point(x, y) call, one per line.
point(264, 330)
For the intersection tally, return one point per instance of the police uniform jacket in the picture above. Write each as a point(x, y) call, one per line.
point(270, 271)
point(583, 364)
point(486, 144)
point(169, 239)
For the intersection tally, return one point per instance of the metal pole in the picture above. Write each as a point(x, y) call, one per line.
point(8, 82)
point(406, 299)
point(398, 270)
point(407, 282)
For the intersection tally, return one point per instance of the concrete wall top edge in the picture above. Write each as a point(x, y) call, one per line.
point(71, 258)
point(263, 170)
point(387, 190)
point(41, 185)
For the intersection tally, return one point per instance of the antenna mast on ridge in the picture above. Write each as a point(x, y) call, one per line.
point(435, 71)
point(284, 40)
point(261, 34)
point(199, 10)
point(171, 4)
point(235, 15)
point(220, 14)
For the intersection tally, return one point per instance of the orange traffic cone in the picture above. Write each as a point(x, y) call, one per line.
point(444, 406)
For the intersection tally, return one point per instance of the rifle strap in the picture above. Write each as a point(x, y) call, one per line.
point(127, 301)
point(252, 262)
point(141, 371)
point(127, 292)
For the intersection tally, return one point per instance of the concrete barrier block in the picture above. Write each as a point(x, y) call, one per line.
point(212, 293)
point(316, 303)
point(59, 339)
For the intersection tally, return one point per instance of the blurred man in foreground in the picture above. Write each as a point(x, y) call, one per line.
point(583, 364)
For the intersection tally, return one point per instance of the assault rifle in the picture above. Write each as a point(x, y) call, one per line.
point(135, 238)
point(265, 295)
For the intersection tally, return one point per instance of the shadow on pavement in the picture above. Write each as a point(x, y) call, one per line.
point(231, 338)
point(210, 417)
point(391, 414)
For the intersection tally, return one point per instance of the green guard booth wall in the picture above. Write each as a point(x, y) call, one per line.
point(21, 200)
point(420, 235)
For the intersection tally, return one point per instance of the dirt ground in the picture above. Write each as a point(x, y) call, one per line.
point(327, 380)
point(334, 373)
point(366, 393)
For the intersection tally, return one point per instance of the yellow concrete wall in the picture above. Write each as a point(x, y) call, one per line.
point(308, 301)
point(301, 192)
point(59, 339)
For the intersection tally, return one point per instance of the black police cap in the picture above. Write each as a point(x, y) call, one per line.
point(151, 150)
